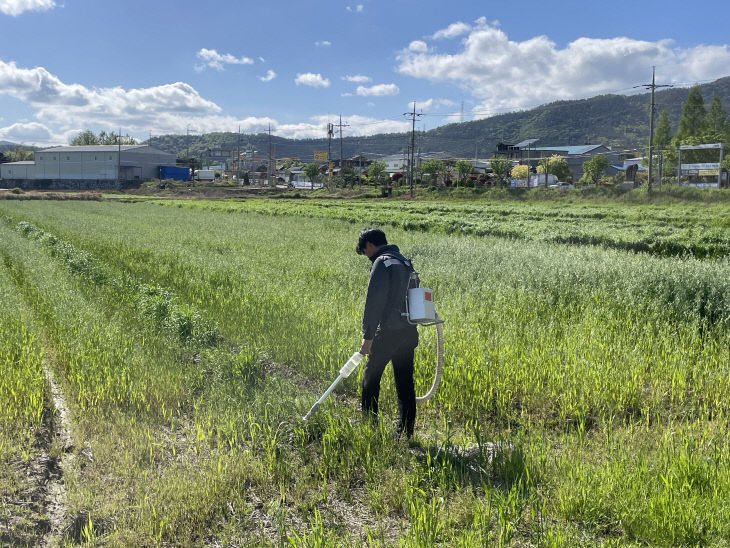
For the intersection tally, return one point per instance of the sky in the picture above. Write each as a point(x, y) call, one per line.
point(159, 67)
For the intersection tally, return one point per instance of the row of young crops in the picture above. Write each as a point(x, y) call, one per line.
point(584, 397)
point(701, 231)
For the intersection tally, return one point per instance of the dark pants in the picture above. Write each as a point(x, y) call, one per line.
point(398, 347)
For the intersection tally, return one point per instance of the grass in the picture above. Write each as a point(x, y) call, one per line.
point(583, 401)
point(670, 231)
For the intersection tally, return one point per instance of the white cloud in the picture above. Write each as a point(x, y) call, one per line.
point(311, 79)
point(453, 30)
point(506, 75)
point(346, 94)
point(323, 43)
point(16, 7)
point(427, 104)
point(378, 90)
point(356, 9)
point(32, 132)
point(211, 58)
point(60, 107)
point(63, 110)
point(262, 59)
point(270, 75)
point(357, 78)
point(418, 46)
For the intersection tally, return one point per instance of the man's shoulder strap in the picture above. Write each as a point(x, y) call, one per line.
point(390, 260)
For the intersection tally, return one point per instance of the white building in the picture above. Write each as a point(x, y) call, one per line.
point(17, 170)
point(101, 162)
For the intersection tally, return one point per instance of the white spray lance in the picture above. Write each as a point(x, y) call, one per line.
point(420, 310)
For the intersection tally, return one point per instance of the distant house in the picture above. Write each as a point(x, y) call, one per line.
point(395, 163)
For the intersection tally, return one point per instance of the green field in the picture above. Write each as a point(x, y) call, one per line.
point(585, 398)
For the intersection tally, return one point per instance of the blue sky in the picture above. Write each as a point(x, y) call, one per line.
point(166, 67)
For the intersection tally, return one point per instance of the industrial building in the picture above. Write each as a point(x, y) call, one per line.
point(87, 166)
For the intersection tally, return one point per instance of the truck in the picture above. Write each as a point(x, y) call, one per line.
point(204, 174)
point(175, 173)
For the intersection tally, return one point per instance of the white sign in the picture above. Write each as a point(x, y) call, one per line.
point(700, 166)
point(700, 185)
point(699, 147)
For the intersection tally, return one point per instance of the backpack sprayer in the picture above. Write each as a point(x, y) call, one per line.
point(420, 310)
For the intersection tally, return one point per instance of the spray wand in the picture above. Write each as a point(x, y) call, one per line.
point(345, 372)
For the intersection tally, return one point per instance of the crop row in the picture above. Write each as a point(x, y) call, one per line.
point(155, 305)
point(691, 231)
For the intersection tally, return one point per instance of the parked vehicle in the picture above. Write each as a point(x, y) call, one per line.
point(204, 174)
point(561, 185)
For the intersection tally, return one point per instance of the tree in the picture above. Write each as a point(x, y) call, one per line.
point(662, 145)
point(88, 137)
point(716, 117)
point(312, 172)
point(19, 155)
point(434, 168)
point(464, 168)
point(594, 168)
point(519, 172)
point(501, 167)
point(85, 138)
point(662, 137)
point(376, 171)
point(555, 165)
point(693, 121)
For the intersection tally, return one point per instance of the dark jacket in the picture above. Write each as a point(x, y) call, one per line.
point(385, 301)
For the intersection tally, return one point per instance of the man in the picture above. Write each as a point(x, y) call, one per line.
point(386, 334)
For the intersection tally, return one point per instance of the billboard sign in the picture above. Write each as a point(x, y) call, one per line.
point(320, 155)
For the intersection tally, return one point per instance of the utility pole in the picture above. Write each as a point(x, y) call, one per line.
point(342, 165)
point(653, 87)
point(413, 139)
point(119, 156)
point(238, 158)
point(330, 134)
point(268, 170)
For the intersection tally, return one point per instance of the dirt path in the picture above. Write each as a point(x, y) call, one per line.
point(59, 461)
